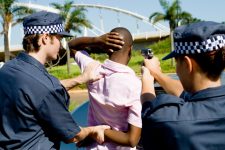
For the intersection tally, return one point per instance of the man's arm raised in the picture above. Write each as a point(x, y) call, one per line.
point(107, 42)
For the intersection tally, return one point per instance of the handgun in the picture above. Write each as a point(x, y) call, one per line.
point(147, 53)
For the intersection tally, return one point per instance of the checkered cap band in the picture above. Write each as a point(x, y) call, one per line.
point(213, 43)
point(43, 29)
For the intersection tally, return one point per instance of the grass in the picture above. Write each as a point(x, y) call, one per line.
point(73, 105)
point(61, 71)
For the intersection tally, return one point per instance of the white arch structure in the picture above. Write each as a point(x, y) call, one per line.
point(159, 27)
point(162, 30)
point(36, 6)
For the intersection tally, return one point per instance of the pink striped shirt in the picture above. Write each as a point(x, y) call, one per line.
point(114, 99)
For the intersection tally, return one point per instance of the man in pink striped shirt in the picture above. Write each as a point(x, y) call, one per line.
point(115, 98)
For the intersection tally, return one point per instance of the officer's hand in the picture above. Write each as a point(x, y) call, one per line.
point(153, 66)
point(148, 91)
point(99, 133)
point(146, 76)
point(89, 74)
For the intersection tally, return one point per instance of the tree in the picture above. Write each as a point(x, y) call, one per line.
point(10, 16)
point(188, 20)
point(172, 13)
point(73, 19)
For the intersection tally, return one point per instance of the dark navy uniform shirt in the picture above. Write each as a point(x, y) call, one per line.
point(192, 122)
point(33, 107)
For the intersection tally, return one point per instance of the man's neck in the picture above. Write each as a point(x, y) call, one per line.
point(38, 56)
point(119, 58)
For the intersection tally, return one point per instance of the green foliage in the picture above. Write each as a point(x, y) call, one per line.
point(6, 5)
point(10, 15)
point(161, 47)
point(136, 61)
point(166, 64)
point(61, 73)
point(99, 57)
point(172, 13)
point(74, 18)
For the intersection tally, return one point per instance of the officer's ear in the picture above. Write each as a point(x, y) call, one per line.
point(188, 63)
point(44, 38)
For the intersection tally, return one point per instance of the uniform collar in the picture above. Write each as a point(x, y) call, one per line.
point(31, 60)
point(206, 94)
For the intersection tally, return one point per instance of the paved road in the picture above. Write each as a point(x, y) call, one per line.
point(78, 95)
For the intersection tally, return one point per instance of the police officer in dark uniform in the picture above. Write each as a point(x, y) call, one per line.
point(33, 104)
point(192, 115)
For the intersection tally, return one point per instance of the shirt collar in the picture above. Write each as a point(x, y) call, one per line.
point(117, 67)
point(31, 60)
point(205, 94)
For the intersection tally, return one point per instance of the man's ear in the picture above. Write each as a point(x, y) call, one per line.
point(188, 63)
point(44, 38)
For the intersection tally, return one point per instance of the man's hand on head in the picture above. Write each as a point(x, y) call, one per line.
point(111, 41)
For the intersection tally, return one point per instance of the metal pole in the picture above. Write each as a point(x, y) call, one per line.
point(101, 20)
point(65, 46)
point(68, 58)
point(137, 26)
point(118, 19)
point(172, 47)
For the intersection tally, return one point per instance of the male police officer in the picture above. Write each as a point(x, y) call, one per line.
point(196, 119)
point(33, 104)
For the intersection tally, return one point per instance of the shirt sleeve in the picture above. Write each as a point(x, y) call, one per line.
point(55, 116)
point(82, 59)
point(162, 105)
point(134, 114)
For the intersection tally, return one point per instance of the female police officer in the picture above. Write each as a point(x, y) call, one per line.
point(196, 119)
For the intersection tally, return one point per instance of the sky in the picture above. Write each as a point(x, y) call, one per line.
point(209, 10)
